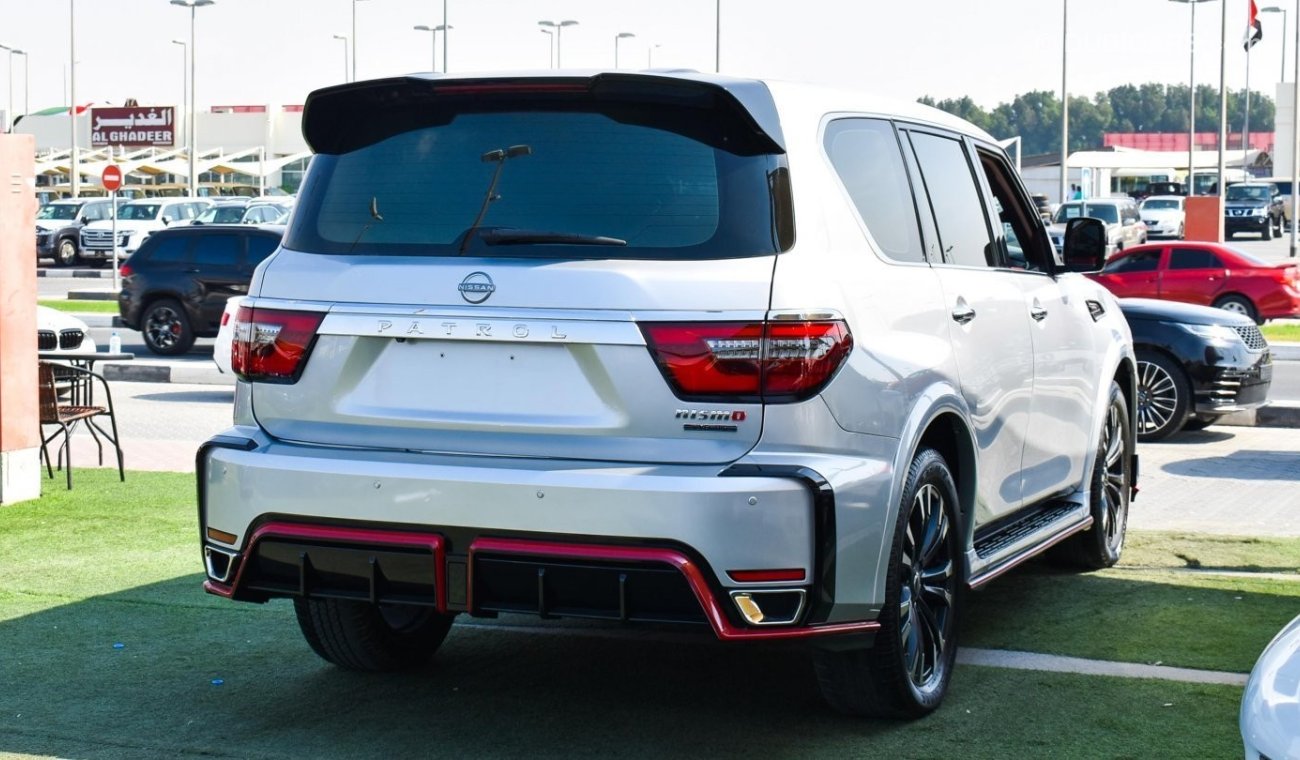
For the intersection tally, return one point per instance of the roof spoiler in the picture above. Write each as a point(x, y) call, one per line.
point(335, 119)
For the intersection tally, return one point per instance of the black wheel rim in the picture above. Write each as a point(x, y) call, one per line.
point(1114, 486)
point(1157, 397)
point(928, 586)
point(164, 328)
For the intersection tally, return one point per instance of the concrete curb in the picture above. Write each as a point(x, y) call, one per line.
point(1057, 664)
point(135, 372)
point(1276, 414)
point(89, 274)
point(1285, 352)
point(96, 294)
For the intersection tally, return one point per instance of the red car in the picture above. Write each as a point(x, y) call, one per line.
point(1210, 274)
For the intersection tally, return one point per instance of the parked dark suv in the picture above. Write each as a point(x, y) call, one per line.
point(175, 286)
point(59, 223)
point(1253, 207)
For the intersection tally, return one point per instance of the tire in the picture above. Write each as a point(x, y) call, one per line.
point(166, 328)
point(905, 673)
point(1112, 483)
point(1238, 305)
point(1195, 423)
point(66, 254)
point(1181, 231)
point(362, 636)
point(1164, 396)
point(1277, 227)
point(1267, 234)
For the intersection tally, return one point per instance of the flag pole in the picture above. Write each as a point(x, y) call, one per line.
point(1245, 130)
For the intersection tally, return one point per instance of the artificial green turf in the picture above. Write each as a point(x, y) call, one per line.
point(83, 307)
point(118, 563)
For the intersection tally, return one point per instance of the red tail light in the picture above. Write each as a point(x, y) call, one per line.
point(271, 345)
point(125, 270)
point(1287, 276)
point(748, 361)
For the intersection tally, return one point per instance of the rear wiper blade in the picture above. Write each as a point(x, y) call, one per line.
point(502, 236)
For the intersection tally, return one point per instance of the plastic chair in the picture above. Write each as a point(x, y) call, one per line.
point(67, 416)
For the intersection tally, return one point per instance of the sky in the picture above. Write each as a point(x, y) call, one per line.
point(254, 52)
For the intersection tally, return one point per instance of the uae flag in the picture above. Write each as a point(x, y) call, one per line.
point(1254, 29)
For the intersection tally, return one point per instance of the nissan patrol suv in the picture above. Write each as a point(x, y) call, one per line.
point(782, 361)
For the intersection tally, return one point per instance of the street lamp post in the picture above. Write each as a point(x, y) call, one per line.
point(9, 110)
point(550, 59)
point(617, 37)
point(1295, 141)
point(433, 34)
point(354, 39)
point(445, 27)
point(558, 26)
point(74, 177)
point(1065, 99)
point(1191, 85)
point(1282, 37)
point(27, 80)
point(650, 55)
point(194, 85)
point(185, 82)
point(344, 38)
point(717, 36)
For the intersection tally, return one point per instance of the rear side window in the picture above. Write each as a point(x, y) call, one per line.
point(166, 249)
point(1193, 258)
point(1145, 261)
point(618, 186)
point(955, 200)
point(217, 250)
point(259, 247)
point(866, 156)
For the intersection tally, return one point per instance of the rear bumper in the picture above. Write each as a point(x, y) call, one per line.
point(484, 535)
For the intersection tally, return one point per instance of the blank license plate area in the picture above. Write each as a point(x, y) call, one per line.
point(480, 383)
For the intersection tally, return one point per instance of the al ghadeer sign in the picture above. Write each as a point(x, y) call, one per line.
point(132, 127)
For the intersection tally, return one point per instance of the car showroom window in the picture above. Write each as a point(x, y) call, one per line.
point(1144, 261)
point(1193, 258)
point(954, 199)
point(866, 156)
point(1023, 232)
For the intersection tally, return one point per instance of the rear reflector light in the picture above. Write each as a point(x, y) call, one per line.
point(792, 575)
point(510, 88)
point(748, 361)
point(225, 318)
point(271, 345)
point(125, 270)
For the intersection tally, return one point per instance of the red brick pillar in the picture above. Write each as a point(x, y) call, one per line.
point(20, 466)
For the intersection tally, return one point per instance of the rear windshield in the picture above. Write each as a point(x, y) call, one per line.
point(549, 184)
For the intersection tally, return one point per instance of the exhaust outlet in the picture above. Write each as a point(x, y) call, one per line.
point(770, 607)
point(219, 563)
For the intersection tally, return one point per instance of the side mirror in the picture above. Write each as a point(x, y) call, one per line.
point(166, 219)
point(1084, 249)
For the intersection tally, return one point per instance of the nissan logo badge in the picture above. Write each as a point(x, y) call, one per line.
point(476, 287)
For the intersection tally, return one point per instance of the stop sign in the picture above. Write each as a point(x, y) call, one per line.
point(111, 178)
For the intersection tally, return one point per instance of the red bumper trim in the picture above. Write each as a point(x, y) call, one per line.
point(722, 626)
point(337, 534)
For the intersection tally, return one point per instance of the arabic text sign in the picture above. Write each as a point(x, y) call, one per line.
point(132, 127)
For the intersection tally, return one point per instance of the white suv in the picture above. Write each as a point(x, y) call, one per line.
point(664, 347)
point(135, 221)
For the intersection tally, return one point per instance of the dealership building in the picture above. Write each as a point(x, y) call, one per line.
point(240, 150)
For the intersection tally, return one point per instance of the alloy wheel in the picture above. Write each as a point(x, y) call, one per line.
point(1114, 477)
point(1235, 307)
point(1157, 398)
point(164, 327)
point(925, 604)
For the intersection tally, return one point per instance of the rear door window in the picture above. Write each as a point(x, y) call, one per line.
point(165, 249)
point(633, 183)
point(218, 251)
point(955, 200)
point(1193, 258)
point(866, 156)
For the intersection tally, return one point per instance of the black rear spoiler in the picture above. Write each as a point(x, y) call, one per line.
point(741, 114)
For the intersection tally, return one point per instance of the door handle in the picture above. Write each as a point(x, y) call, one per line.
point(963, 313)
point(1038, 313)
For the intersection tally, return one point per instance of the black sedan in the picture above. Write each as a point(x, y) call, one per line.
point(1195, 364)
